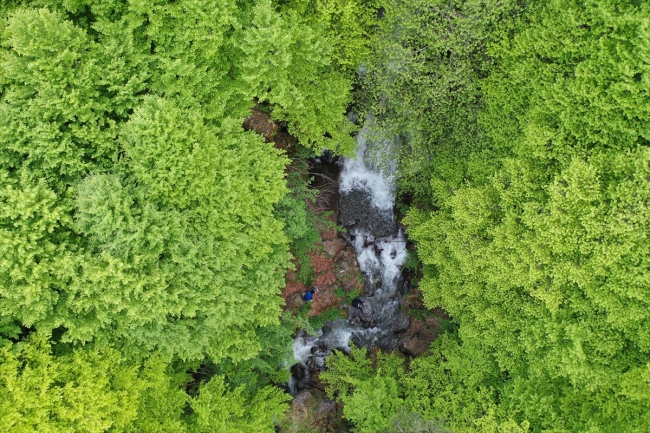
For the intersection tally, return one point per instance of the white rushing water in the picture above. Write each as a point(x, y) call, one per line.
point(380, 258)
point(371, 170)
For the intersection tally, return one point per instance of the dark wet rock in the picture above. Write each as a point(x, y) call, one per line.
point(401, 323)
point(303, 384)
point(414, 300)
point(361, 317)
point(388, 343)
point(312, 364)
point(404, 284)
point(359, 340)
point(366, 307)
point(327, 418)
point(356, 211)
point(298, 371)
point(327, 327)
point(415, 346)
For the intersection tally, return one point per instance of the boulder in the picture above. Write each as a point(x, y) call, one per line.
point(312, 412)
point(417, 345)
point(356, 211)
point(295, 301)
point(419, 335)
point(334, 246)
point(327, 419)
point(302, 403)
point(298, 371)
point(401, 323)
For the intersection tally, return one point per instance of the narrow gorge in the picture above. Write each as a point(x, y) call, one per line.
point(365, 210)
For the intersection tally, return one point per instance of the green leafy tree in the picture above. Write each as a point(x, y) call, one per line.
point(289, 64)
point(218, 409)
point(186, 236)
point(268, 367)
point(424, 85)
point(137, 216)
point(454, 388)
point(162, 404)
point(538, 249)
point(134, 209)
point(83, 391)
point(413, 423)
point(348, 24)
point(90, 390)
point(371, 395)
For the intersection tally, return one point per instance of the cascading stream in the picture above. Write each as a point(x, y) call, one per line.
point(366, 200)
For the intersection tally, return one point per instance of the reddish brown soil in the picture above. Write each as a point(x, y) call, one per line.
point(335, 267)
point(261, 123)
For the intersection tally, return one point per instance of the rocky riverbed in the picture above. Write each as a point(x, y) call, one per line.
point(365, 260)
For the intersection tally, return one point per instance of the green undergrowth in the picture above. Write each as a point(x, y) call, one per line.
point(328, 315)
point(298, 221)
point(296, 209)
point(300, 319)
point(412, 261)
point(347, 296)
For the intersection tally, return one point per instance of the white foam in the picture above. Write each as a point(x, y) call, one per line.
point(338, 336)
point(371, 171)
point(384, 256)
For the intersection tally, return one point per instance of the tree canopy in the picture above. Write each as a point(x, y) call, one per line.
point(98, 390)
point(140, 235)
point(136, 211)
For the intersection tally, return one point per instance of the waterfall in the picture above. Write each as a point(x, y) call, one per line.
point(366, 201)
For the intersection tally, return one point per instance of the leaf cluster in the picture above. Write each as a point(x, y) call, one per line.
point(91, 390)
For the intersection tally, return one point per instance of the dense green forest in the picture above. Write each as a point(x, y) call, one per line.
point(527, 169)
point(145, 235)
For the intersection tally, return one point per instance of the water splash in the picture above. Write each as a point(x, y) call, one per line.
point(371, 170)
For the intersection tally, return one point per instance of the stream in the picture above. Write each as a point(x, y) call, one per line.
point(366, 201)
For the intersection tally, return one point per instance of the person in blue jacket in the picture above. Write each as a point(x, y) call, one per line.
point(309, 295)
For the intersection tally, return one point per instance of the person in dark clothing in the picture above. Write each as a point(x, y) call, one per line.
point(309, 295)
point(365, 312)
point(358, 303)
